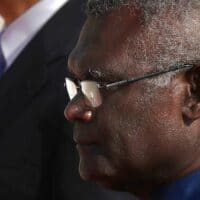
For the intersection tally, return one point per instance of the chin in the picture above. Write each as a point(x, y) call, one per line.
point(98, 171)
point(93, 169)
point(102, 180)
point(95, 166)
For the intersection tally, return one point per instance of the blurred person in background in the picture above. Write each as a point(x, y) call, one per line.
point(37, 160)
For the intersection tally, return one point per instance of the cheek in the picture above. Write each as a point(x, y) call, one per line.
point(139, 128)
point(124, 124)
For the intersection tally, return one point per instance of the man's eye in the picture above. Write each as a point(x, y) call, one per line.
point(102, 83)
point(75, 80)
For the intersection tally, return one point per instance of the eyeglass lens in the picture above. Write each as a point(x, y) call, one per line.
point(90, 90)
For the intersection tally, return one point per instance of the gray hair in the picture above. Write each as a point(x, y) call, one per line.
point(149, 7)
point(98, 7)
point(175, 42)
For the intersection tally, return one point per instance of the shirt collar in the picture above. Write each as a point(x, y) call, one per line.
point(2, 23)
point(185, 188)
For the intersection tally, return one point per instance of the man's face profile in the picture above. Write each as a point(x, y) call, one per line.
point(144, 133)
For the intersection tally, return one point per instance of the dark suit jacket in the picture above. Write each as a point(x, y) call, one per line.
point(37, 156)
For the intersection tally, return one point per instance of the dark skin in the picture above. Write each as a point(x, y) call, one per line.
point(141, 136)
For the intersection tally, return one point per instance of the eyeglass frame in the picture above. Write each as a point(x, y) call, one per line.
point(149, 75)
point(125, 82)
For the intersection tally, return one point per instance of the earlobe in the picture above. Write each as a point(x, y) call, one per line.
point(191, 112)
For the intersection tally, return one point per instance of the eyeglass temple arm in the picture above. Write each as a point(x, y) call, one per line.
point(132, 80)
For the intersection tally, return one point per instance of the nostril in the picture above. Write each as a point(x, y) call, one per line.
point(87, 116)
point(74, 112)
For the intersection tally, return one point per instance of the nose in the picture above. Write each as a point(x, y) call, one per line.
point(78, 109)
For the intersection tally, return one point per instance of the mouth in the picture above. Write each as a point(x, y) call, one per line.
point(87, 143)
point(85, 138)
point(86, 150)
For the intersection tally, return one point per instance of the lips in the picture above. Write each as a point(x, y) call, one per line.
point(82, 137)
point(84, 140)
point(89, 149)
point(87, 143)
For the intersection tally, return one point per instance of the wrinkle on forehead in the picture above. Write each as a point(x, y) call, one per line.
point(172, 32)
point(166, 40)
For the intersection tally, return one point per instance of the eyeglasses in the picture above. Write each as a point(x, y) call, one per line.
point(91, 89)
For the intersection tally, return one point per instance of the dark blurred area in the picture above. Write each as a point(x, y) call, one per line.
point(38, 159)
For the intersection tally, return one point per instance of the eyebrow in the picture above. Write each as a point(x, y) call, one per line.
point(105, 75)
point(95, 74)
point(109, 76)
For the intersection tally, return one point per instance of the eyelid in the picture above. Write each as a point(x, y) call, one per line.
point(101, 77)
point(74, 78)
point(102, 83)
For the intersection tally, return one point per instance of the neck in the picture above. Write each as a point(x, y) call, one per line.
point(11, 9)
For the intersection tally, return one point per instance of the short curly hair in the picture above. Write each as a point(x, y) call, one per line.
point(179, 45)
point(98, 7)
point(149, 7)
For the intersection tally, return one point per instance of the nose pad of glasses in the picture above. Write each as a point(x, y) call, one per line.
point(78, 109)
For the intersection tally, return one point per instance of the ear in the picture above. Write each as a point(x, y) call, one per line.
point(191, 108)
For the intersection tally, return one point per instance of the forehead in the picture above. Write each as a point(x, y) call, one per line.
point(119, 41)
